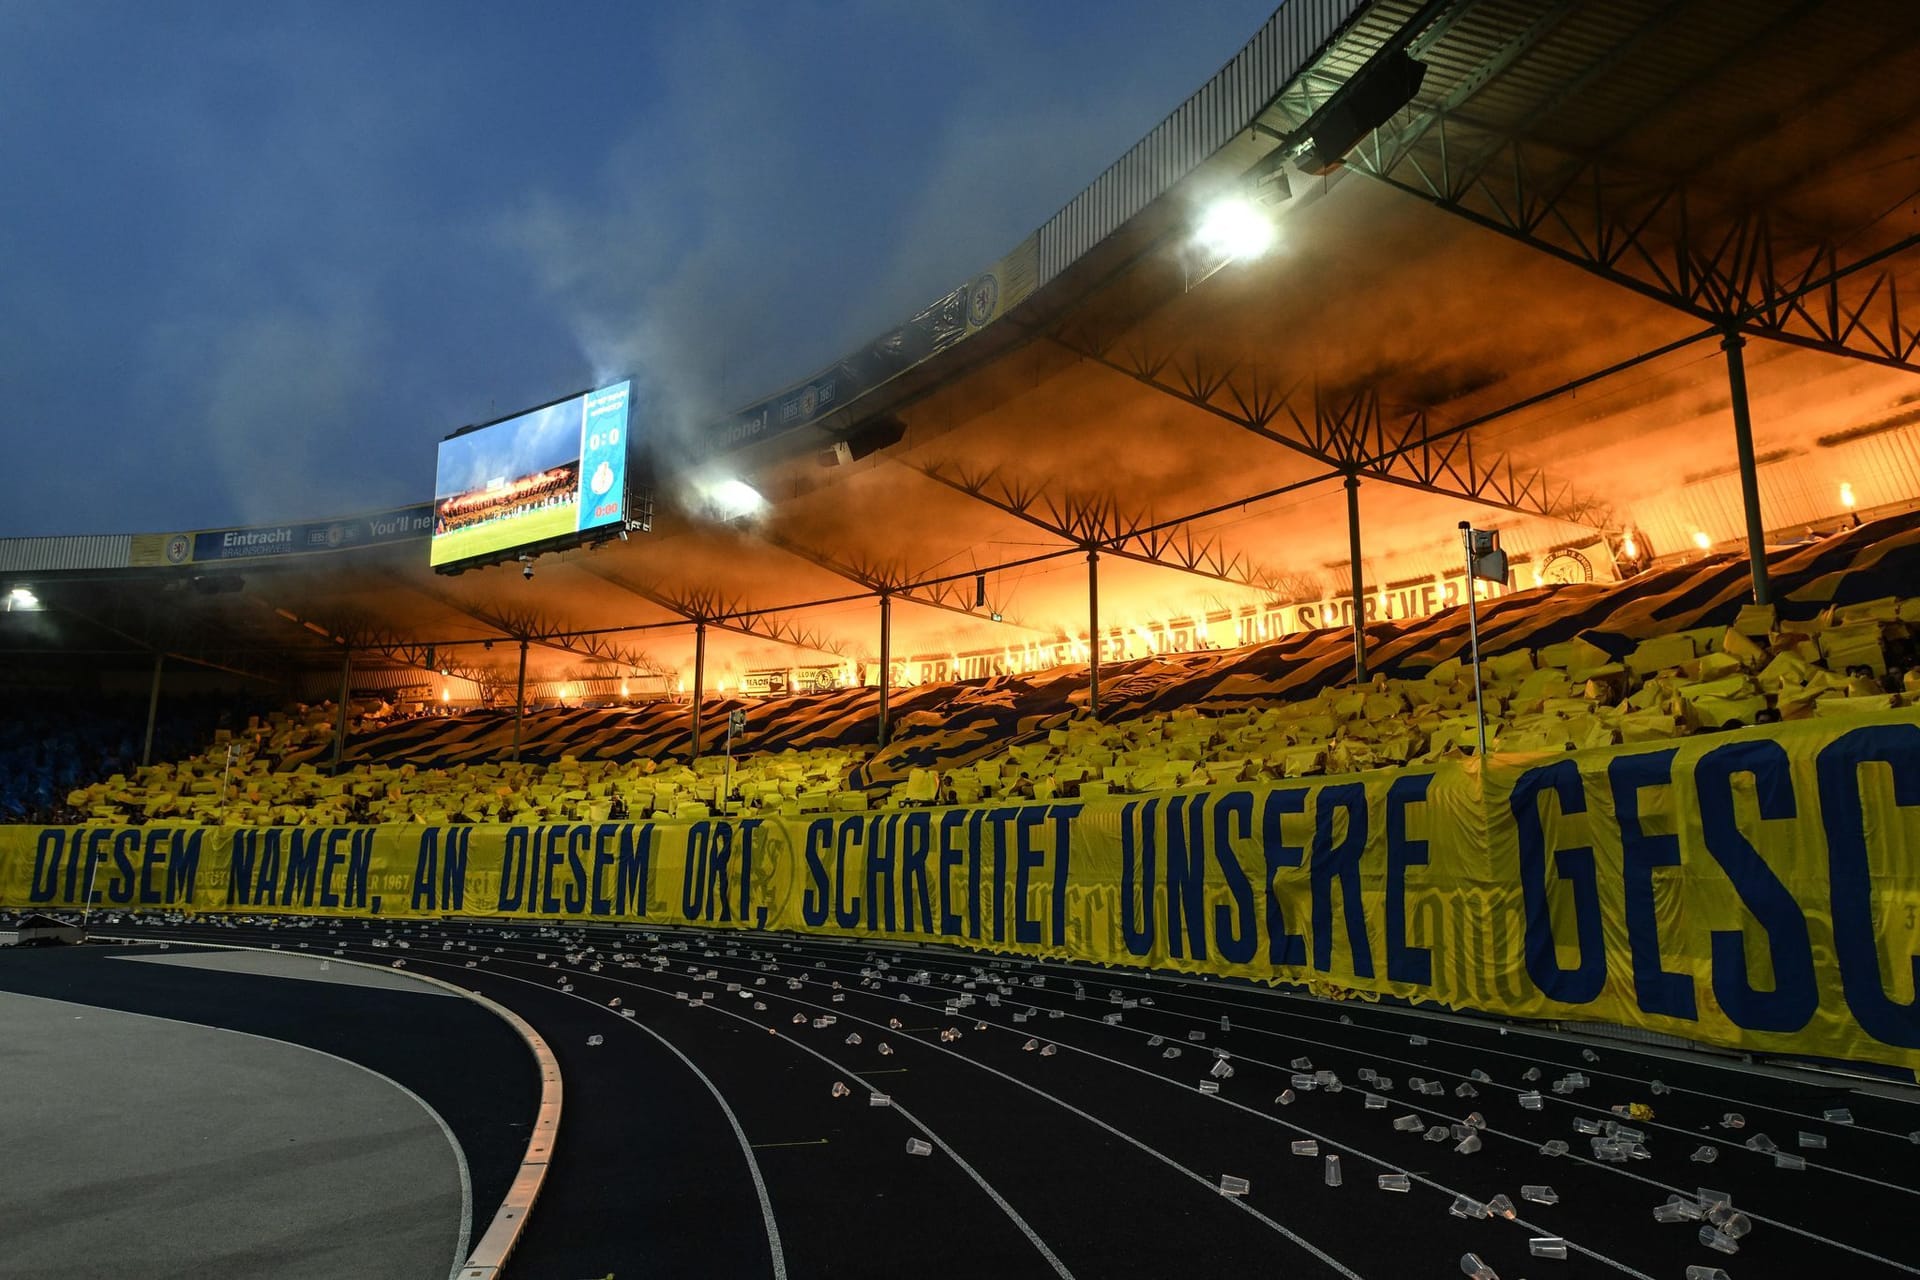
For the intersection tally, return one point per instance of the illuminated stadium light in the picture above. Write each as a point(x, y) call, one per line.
point(734, 499)
point(22, 600)
point(1233, 228)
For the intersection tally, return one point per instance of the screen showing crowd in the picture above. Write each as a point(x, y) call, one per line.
point(543, 475)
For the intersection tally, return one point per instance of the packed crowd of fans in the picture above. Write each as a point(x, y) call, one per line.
point(1848, 661)
point(529, 493)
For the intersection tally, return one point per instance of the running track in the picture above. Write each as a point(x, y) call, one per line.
point(702, 1138)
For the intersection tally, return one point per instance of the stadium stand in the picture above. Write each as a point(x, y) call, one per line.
point(52, 744)
point(1665, 655)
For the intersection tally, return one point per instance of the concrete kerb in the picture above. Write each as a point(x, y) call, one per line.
point(488, 1257)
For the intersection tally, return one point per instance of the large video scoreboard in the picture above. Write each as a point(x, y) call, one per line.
point(541, 480)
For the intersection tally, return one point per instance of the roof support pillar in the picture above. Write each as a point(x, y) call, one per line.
point(1093, 632)
point(340, 726)
point(1359, 588)
point(1749, 472)
point(699, 682)
point(886, 659)
point(153, 711)
point(519, 700)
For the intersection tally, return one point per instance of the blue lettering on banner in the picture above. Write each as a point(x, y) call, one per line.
point(1063, 816)
point(303, 865)
point(693, 875)
point(633, 876)
point(1405, 962)
point(1186, 877)
point(1572, 866)
point(1027, 858)
point(880, 859)
point(1235, 932)
point(1340, 862)
point(1283, 947)
point(999, 818)
point(426, 871)
point(1657, 989)
point(719, 859)
point(813, 903)
point(1137, 881)
point(914, 848)
point(120, 883)
point(1897, 749)
point(846, 915)
point(47, 851)
point(1795, 996)
point(950, 855)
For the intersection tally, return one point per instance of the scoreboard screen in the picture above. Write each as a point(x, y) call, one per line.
point(542, 478)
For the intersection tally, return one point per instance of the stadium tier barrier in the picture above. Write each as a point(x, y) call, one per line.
point(1754, 889)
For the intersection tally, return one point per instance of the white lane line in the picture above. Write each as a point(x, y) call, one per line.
point(733, 1121)
point(1239, 1203)
point(1154, 1075)
point(1026, 1228)
point(1257, 1001)
point(1605, 1167)
point(1555, 1099)
point(797, 950)
point(1300, 1241)
point(485, 1259)
point(1254, 998)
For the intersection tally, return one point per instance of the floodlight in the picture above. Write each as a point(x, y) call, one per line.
point(735, 499)
point(22, 600)
point(1234, 228)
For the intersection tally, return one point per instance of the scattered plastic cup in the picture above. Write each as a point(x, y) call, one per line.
point(1470, 1264)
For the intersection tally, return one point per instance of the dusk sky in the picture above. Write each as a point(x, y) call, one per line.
point(257, 258)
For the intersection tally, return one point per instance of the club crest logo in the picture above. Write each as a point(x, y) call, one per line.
point(1565, 567)
point(982, 300)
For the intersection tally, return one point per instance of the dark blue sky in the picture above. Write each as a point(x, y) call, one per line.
point(257, 258)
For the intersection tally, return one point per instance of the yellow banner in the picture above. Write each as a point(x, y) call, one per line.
point(1755, 889)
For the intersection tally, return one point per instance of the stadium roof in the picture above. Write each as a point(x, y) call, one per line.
point(1507, 305)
